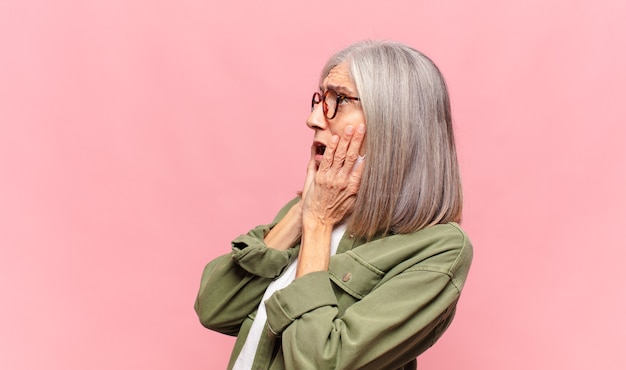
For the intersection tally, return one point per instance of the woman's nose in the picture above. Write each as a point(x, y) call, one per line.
point(316, 118)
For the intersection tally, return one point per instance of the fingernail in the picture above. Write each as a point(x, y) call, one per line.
point(334, 139)
point(349, 129)
point(361, 128)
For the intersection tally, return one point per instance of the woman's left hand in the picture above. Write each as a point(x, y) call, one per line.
point(330, 191)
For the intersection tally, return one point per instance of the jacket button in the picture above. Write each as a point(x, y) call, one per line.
point(346, 277)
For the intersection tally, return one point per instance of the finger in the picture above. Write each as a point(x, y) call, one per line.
point(354, 181)
point(329, 154)
point(313, 150)
point(342, 148)
point(310, 177)
point(354, 149)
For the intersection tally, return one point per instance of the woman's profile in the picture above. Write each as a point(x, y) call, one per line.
point(364, 268)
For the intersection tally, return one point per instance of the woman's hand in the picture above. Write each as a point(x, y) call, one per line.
point(328, 194)
point(330, 191)
point(328, 197)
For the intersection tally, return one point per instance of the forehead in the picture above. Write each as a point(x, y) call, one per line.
point(339, 79)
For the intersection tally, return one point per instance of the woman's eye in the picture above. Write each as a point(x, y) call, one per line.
point(341, 99)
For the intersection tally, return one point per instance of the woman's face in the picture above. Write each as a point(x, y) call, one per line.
point(349, 112)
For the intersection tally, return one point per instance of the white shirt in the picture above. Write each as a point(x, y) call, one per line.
point(246, 356)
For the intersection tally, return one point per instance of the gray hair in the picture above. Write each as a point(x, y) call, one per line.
point(411, 176)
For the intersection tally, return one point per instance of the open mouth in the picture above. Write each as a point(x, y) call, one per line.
point(320, 149)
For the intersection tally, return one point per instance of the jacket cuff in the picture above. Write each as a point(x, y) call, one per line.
point(305, 294)
point(250, 253)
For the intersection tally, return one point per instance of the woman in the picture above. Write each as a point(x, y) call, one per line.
point(363, 270)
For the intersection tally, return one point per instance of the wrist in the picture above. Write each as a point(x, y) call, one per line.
point(311, 222)
point(287, 231)
point(315, 247)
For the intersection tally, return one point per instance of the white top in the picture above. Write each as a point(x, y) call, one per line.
point(246, 356)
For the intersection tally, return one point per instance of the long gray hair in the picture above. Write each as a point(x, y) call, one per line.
point(411, 177)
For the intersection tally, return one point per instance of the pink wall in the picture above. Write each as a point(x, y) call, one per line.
point(137, 138)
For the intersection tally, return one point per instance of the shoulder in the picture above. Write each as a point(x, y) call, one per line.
point(443, 248)
point(448, 244)
point(449, 233)
point(425, 242)
point(447, 250)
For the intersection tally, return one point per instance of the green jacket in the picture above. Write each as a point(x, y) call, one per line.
point(379, 305)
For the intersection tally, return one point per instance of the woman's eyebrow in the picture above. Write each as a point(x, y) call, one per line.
point(338, 88)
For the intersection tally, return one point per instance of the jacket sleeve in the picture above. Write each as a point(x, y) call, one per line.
point(389, 327)
point(233, 284)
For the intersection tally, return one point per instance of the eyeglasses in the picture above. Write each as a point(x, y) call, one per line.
point(331, 100)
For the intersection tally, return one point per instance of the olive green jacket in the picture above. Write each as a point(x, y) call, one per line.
point(379, 305)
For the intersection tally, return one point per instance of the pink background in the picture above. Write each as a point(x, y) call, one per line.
point(137, 138)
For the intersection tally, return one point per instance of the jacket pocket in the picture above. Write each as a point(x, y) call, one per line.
point(353, 275)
